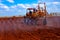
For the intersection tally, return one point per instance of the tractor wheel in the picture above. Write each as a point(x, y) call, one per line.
point(44, 21)
point(27, 20)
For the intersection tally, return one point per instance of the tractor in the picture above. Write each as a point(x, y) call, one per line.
point(33, 15)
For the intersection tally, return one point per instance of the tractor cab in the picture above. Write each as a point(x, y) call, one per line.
point(31, 11)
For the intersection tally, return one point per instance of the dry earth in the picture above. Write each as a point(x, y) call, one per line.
point(14, 29)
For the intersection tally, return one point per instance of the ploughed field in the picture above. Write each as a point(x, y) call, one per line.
point(14, 28)
point(37, 34)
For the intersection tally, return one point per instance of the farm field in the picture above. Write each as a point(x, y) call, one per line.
point(15, 29)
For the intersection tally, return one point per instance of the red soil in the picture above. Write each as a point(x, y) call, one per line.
point(14, 29)
point(39, 34)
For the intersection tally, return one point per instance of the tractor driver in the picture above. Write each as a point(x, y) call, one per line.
point(34, 10)
point(30, 12)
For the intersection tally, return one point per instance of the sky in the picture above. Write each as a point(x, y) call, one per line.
point(18, 7)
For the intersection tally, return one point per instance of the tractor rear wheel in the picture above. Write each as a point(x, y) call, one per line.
point(44, 21)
